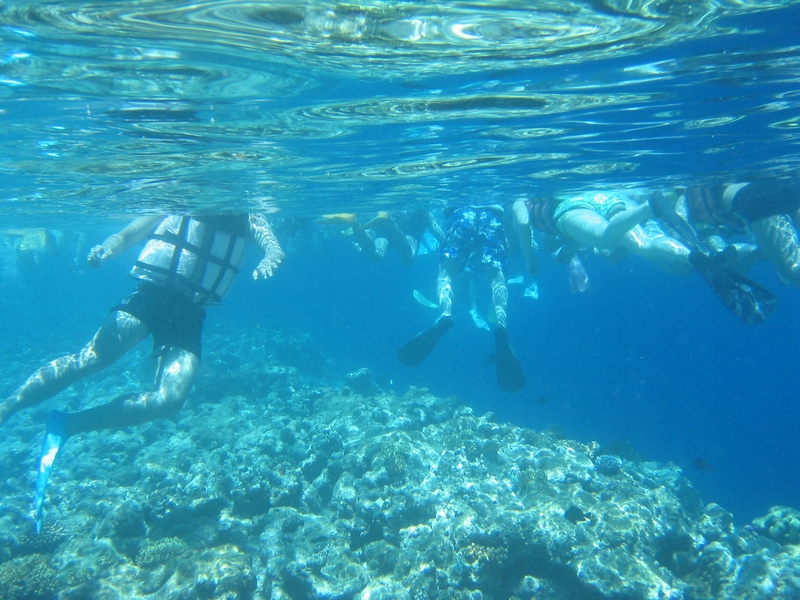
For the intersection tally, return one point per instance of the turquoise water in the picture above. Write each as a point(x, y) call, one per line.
point(117, 109)
point(111, 107)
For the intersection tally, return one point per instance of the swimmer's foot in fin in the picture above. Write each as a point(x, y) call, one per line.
point(509, 372)
point(749, 301)
point(417, 349)
point(54, 439)
point(664, 211)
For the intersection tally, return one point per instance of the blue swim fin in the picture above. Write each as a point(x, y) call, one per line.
point(54, 439)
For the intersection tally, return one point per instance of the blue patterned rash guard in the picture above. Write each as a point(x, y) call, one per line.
point(476, 236)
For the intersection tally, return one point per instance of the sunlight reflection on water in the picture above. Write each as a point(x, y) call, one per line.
point(325, 106)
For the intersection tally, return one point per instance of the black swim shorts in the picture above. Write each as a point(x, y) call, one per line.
point(172, 318)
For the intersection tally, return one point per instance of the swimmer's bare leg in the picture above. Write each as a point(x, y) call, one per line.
point(176, 372)
point(119, 333)
point(407, 247)
point(444, 290)
point(499, 298)
point(510, 376)
point(652, 244)
point(778, 239)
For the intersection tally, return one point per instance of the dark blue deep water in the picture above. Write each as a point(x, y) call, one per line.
point(100, 126)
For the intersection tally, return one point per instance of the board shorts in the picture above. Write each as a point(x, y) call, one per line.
point(604, 205)
point(172, 318)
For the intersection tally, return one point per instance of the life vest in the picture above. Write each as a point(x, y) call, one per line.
point(541, 214)
point(196, 256)
point(704, 205)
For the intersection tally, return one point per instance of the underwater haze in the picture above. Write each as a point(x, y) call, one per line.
point(113, 110)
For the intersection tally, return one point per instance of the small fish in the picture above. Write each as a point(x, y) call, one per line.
point(700, 464)
point(575, 515)
point(383, 381)
point(541, 400)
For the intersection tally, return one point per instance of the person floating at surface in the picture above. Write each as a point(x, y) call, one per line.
point(31, 245)
point(537, 213)
point(769, 209)
point(408, 231)
point(749, 301)
point(187, 263)
point(475, 238)
point(609, 223)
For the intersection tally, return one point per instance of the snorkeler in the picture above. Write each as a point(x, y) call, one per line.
point(187, 263)
point(611, 224)
point(409, 231)
point(768, 209)
point(748, 300)
point(31, 245)
point(476, 239)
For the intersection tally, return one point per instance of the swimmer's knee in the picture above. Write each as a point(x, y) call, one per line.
point(160, 404)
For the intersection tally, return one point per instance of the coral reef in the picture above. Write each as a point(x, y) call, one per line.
point(608, 464)
point(27, 577)
point(160, 552)
point(781, 524)
point(362, 383)
point(304, 492)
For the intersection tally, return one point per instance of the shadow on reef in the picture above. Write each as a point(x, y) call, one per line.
point(282, 490)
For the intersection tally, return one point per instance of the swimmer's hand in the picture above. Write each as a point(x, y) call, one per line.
point(269, 264)
point(97, 255)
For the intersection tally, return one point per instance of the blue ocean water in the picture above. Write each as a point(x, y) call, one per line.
point(117, 109)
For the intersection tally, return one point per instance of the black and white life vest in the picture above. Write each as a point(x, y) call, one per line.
point(196, 256)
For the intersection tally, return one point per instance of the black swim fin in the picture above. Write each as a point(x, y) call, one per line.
point(417, 349)
point(749, 301)
point(509, 372)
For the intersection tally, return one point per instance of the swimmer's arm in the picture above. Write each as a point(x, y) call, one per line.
point(522, 226)
point(265, 238)
point(435, 228)
point(115, 244)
